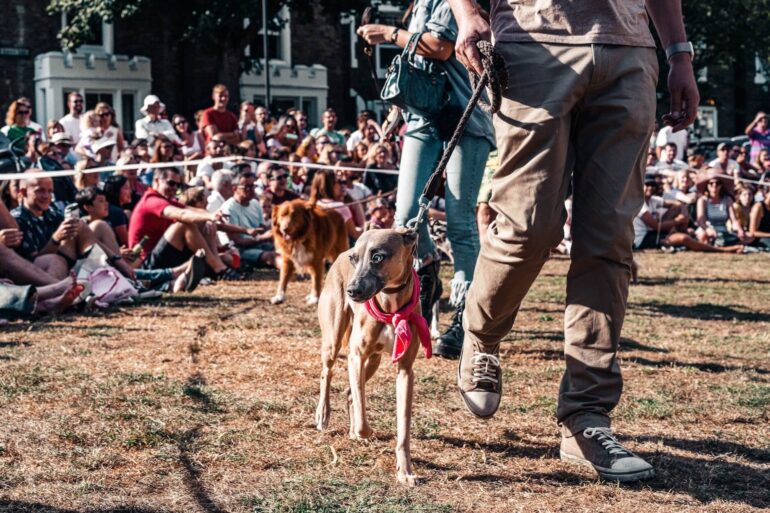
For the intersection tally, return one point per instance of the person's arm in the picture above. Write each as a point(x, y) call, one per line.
point(428, 46)
point(736, 225)
point(472, 27)
point(188, 215)
point(140, 132)
point(121, 141)
point(6, 219)
point(701, 212)
point(121, 233)
point(354, 232)
point(757, 118)
point(667, 17)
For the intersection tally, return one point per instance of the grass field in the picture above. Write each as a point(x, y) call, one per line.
point(205, 403)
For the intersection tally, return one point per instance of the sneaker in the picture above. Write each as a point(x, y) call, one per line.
point(479, 380)
point(450, 344)
point(599, 449)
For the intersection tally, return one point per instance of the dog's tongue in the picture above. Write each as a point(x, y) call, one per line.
point(287, 236)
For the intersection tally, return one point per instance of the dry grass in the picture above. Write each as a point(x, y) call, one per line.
point(205, 403)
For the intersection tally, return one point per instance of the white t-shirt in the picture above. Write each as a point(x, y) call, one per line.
point(71, 125)
point(215, 201)
point(676, 165)
point(731, 168)
point(249, 216)
point(653, 206)
point(146, 128)
point(667, 135)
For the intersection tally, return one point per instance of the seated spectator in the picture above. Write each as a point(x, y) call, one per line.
point(141, 150)
point(284, 136)
point(16, 268)
point(172, 230)
point(745, 168)
point(263, 177)
point(696, 161)
point(354, 191)
point(329, 122)
point(743, 204)
point(683, 190)
point(29, 300)
point(759, 224)
point(381, 214)
point(279, 181)
point(668, 160)
point(221, 189)
point(763, 165)
point(64, 188)
point(117, 191)
point(358, 156)
point(192, 144)
point(125, 167)
point(51, 242)
point(327, 193)
point(302, 124)
point(714, 210)
point(152, 124)
point(243, 209)
point(358, 135)
point(90, 133)
point(83, 179)
point(249, 150)
point(307, 151)
point(379, 158)
point(658, 225)
point(218, 120)
point(723, 163)
point(297, 176)
point(215, 149)
point(328, 152)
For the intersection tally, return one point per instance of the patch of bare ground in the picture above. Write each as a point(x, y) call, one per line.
point(205, 403)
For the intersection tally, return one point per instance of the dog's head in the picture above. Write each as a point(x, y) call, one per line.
point(291, 220)
point(382, 259)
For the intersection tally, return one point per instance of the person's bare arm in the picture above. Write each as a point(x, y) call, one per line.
point(701, 213)
point(188, 215)
point(472, 27)
point(751, 126)
point(429, 45)
point(668, 20)
point(6, 219)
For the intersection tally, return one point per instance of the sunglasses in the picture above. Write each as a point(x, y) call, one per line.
point(279, 177)
point(247, 187)
point(714, 184)
point(104, 114)
point(173, 183)
point(22, 112)
point(181, 122)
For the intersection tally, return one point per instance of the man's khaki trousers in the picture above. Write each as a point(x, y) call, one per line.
point(581, 113)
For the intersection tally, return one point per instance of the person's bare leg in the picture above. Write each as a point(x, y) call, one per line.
point(21, 271)
point(680, 239)
point(182, 235)
point(105, 237)
point(52, 265)
point(58, 297)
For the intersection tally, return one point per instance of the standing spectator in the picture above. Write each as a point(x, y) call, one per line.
point(221, 190)
point(110, 128)
point(759, 134)
point(723, 163)
point(358, 135)
point(680, 139)
point(19, 126)
point(302, 126)
point(192, 147)
point(329, 122)
point(247, 121)
point(218, 120)
point(152, 124)
point(71, 122)
point(263, 120)
point(244, 210)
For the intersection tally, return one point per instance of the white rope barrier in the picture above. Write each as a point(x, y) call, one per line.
point(185, 163)
point(652, 170)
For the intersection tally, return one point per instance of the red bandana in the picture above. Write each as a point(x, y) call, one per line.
point(401, 319)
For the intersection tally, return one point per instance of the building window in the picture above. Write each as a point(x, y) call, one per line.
point(128, 114)
point(94, 97)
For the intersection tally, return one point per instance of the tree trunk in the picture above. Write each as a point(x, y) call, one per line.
point(229, 73)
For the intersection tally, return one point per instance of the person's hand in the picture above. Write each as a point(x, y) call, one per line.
point(375, 34)
point(128, 254)
point(68, 230)
point(681, 219)
point(683, 91)
point(11, 237)
point(471, 30)
point(209, 228)
point(759, 116)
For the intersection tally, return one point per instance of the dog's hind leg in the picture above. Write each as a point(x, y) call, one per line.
point(334, 334)
point(316, 274)
point(404, 396)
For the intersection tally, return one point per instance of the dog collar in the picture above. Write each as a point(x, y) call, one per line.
point(401, 321)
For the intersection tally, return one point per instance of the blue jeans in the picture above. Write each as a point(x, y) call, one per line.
point(421, 153)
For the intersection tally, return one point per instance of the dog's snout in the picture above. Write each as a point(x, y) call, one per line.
point(353, 292)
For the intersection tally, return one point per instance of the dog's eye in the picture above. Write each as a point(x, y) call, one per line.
point(376, 259)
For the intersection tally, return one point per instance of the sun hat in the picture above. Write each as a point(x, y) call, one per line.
point(703, 178)
point(151, 99)
point(61, 138)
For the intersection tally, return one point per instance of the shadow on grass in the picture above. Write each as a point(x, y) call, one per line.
point(34, 507)
point(703, 367)
point(704, 311)
point(192, 472)
point(673, 281)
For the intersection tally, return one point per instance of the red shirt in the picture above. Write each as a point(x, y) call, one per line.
point(147, 219)
point(224, 121)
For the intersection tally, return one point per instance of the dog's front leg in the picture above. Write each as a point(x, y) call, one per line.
point(287, 271)
point(316, 275)
point(359, 427)
point(404, 394)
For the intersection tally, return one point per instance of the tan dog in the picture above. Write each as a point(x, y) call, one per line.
point(306, 236)
point(379, 267)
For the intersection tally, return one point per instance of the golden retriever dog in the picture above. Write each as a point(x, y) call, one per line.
point(306, 236)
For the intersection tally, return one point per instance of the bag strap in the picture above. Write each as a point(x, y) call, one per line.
point(411, 47)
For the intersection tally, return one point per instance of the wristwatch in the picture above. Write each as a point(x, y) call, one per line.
point(680, 48)
point(394, 35)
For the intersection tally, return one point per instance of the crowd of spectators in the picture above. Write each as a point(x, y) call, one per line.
point(190, 203)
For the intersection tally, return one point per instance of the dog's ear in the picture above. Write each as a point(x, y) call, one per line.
point(410, 237)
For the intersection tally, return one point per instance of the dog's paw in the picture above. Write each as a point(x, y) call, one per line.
point(311, 299)
point(322, 419)
point(407, 479)
point(361, 434)
point(277, 299)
